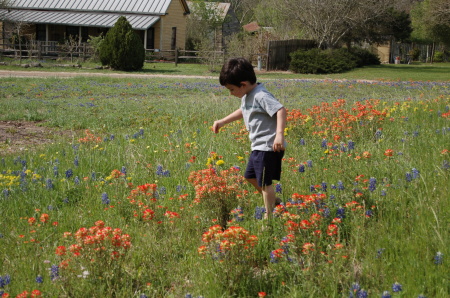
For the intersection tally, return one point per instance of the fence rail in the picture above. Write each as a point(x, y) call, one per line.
point(54, 50)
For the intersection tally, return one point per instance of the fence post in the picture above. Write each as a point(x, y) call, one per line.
point(39, 49)
point(84, 52)
point(176, 57)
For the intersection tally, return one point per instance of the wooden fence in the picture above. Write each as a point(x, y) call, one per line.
point(278, 53)
point(53, 50)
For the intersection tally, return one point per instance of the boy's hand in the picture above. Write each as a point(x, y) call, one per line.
point(217, 125)
point(278, 143)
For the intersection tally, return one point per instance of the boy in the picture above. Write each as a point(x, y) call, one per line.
point(265, 119)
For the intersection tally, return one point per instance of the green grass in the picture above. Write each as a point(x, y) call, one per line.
point(157, 131)
point(400, 72)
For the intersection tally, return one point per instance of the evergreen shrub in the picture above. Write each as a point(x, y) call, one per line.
point(317, 61)
point(122, 48)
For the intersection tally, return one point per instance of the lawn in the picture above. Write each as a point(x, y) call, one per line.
point(138, 198)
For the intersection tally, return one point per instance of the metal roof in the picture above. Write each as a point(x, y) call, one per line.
point(158, 7)
point(138, 22)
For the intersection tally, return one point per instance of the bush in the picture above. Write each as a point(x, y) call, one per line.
point(122, 48)
point(317, 61)
point(364, 57)
point(438, 56)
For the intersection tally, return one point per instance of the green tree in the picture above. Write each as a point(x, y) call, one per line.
point(431, 21)
point(122, 48)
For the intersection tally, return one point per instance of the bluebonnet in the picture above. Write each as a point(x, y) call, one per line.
point(324, 186)
point(93, 176)
point(324, 143)
point(105, 199)
point(123, 170)
point(24, 163)
point(5, 280)
point(49, 184)
point(301, 168)
point(312, 188)
point(3, 162)
point(162, 190)
point(416, 133)
point(343, 147)
point(355, 287)
point(408, 177)
point(378, 133)
point(39, 279)
point(54, 272)
point(383, 193)
point(160, 171)
point(332, 197)
point(351, 145)
point(340, 213)
point(372, 184)
point(380, 252)
point(386, 294)
point(309, 163)
point(76, 162)
point(415, 173)
point(69, 173)
point(238, 211)
point(438, 258)
point(278, 188)
point(340, 185)
point(55, 171)
point(76, 180)
point(143, 296)
point(396, 287)
point(179, 188)
point(369, 213)
point(111, 137)
point(6, 193)
point(302, 142)
point(259, 211)
point(446, 165)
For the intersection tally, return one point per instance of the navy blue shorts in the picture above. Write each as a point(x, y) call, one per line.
point(265, 166)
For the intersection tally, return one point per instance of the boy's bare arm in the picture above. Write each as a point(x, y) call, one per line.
point(278, 144)
point(236, 115)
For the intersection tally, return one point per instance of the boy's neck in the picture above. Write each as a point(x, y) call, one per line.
point(249, 87)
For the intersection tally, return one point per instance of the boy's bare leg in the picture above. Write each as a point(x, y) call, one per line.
point(268, 193)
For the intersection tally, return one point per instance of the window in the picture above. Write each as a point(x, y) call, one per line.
point(173, 44)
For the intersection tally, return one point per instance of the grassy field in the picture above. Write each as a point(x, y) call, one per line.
point(132, 205)
point(390, 72)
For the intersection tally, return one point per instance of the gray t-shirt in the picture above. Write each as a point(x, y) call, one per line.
point(259, 108)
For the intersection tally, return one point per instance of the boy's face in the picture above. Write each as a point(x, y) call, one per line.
point(238, 91)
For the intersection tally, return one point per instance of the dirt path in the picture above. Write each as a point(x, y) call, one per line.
point(62, 74)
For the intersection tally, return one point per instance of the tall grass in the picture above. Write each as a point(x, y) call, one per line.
point(364, 189)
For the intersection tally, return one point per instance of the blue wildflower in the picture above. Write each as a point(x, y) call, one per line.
point(76, 180)
point(123, 170)
point(259, 211)
point(143, 296)
point(54, 272)
point(312, 188)
point(162, 190)
point(309, 163)
point(340, 185)
point(408, 177)
point(6, 193)
point(105, 199)
point(302, 142)
point(4, 280)
point(383, 193)
point(351, 145)
point(324, 143)
point(438, 258)
point(324, 186)
point(380, 252)
point(415, 173)
point(55, 171)
point(301, 168)
point(396, 287)
point(340, 213)
point(386, 294)
point(76, 162)
point(362, 294)
point(69, 173)
point(93, 176)
point(39, 279)
point(372, 184)
point(278, 188)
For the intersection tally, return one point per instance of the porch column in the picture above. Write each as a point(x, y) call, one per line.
point(145, 38)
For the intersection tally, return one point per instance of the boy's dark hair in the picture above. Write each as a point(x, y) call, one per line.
point(235, 71)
